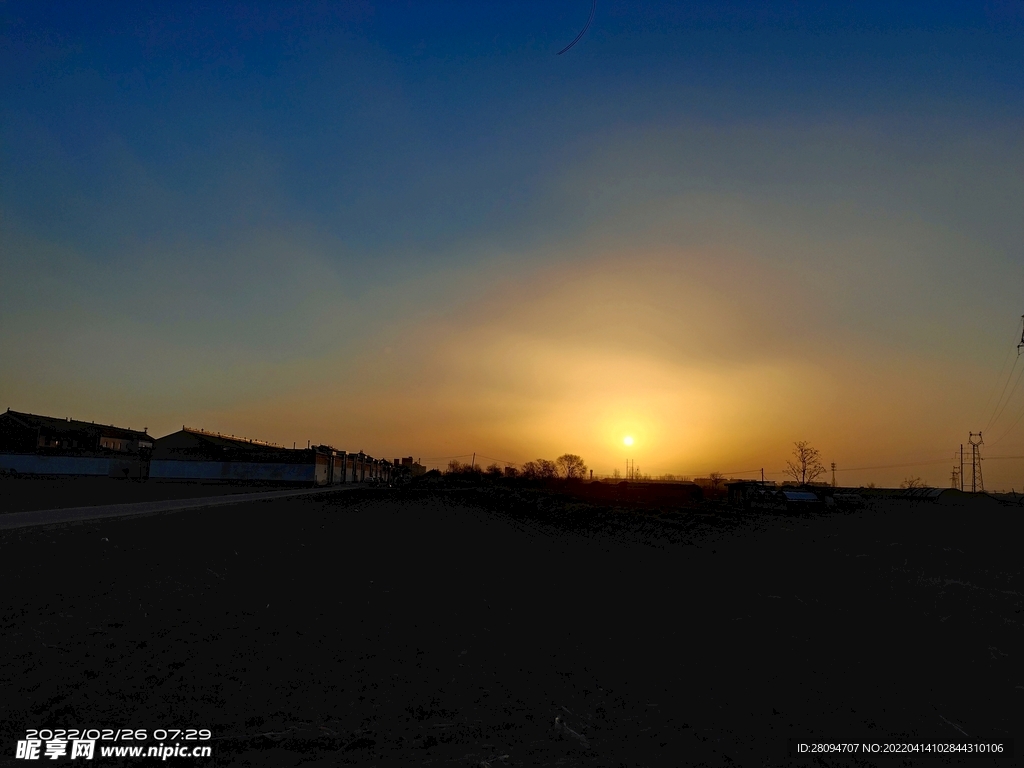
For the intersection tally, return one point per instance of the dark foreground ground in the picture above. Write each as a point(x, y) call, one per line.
point(452, 627)
point(18, 494)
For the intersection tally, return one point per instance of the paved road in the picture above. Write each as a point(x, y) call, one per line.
point(75, 514)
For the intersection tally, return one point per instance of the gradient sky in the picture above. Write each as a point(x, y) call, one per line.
point(411, 228)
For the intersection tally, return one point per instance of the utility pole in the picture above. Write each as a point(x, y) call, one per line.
point(977, 483)
point(974, 465)
point(961, 466)
point(762, 475)
point(833, 474)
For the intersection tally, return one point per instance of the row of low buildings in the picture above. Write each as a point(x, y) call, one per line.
point(751, 494)
point(43, 445)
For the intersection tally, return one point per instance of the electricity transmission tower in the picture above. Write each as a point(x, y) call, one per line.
point(977, 483)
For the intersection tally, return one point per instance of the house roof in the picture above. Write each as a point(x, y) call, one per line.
point(799, 496)
point(56, 425)
point(195, 443)
point(231, 441)
point(923, 492)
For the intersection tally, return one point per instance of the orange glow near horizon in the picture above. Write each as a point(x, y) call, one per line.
point(533, 368)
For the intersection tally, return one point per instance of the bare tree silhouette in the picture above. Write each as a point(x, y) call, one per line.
point(716, 479)
point(806, 464)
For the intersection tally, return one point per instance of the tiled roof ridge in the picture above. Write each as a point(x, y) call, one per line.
point(233, 438)
point(67, 421)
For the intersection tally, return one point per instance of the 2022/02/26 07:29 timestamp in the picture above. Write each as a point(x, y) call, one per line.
point(120, 734)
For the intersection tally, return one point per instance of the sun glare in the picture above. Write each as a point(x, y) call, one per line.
point(627, 440)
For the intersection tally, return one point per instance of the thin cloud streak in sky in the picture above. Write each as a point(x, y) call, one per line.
point(590, 20)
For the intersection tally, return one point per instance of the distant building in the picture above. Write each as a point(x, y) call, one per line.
point(752, 494)
point(45, 445)
point(802, 500)
point(413, 468)
point(194, 454)
point(361, 468)
point(743, 492)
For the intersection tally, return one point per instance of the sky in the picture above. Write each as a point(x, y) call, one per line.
point(414, 229)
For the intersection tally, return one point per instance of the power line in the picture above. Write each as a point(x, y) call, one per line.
point(995, 418)
point(1000, 376)
point(492, 458)
point(464, 455)
point(999, 410)
point(1010, 429)
point(892, 466)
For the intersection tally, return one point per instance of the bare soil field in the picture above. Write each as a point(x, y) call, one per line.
point(452, 627)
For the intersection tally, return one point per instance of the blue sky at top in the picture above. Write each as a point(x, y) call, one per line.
point(398, 127)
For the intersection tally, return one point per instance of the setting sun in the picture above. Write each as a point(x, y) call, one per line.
point(627, 440)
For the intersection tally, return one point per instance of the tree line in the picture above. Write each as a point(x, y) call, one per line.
point(805, 467)
point(568, 466)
